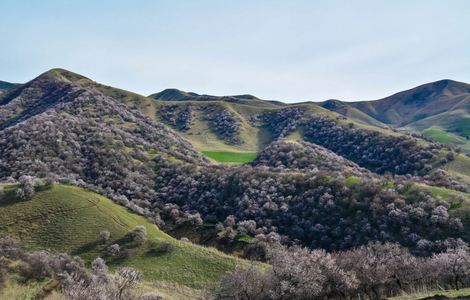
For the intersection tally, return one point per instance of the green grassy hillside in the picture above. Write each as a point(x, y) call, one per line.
point(450, 294)
point(460, 167)
point(451, 127)
point(69, 219)
point(253, 137)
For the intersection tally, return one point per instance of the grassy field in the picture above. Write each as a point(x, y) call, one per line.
point(69, 219)
point(230, 157)
point(444, 193)
point(25, 291)
point(452, 128)
point(442, 136)
point(460, 167)
point(449, 293)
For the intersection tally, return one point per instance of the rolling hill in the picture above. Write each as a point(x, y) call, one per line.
point(439, 110)
point(196, 117)
point(417, 103)
point(228, 171)
point(5, 86)
point(68, 219)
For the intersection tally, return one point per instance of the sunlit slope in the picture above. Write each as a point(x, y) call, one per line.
point(69, 219)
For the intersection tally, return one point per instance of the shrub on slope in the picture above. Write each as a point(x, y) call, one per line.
point(91, 140)
point(69, 219)
point(322, 210)
point(306, 157)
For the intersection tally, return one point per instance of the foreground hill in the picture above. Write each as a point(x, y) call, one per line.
point(69, 219)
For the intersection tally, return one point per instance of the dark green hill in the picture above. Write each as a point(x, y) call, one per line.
point(6, 85)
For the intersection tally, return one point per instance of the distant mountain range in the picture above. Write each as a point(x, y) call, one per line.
point(439, 110)
point(4, 86)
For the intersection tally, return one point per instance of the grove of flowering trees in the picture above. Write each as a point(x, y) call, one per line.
point(373, 271)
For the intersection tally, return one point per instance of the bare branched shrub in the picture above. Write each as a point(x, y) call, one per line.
point(137, 235)
point(125, 280)
point(104, 236)
point(245, 283)
point(114, 250)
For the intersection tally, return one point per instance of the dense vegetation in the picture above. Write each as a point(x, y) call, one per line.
point(370, 149)
point(306, 157)
point(223, 123)
point(323, 210)
point(281, 122)
point(69, 275)
point(321, 182)
point(177, 116)
point(373, 271)
point(73, 220)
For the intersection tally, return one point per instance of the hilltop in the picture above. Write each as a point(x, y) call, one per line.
point(6, 85)
point(178, 95)
point(440, 110)
point(417, 103)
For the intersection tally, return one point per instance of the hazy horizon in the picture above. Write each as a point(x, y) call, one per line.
point(291, 52)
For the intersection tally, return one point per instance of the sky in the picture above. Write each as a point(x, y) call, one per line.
point(284, 50)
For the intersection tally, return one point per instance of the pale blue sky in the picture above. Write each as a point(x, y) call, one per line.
point(284, 50)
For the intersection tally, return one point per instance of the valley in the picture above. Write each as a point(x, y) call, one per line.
point(227, 186)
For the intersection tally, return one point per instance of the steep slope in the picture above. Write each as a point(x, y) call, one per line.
point(60, 124)
point(69, 219)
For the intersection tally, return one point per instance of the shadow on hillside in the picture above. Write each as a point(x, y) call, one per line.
point(86, 247)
